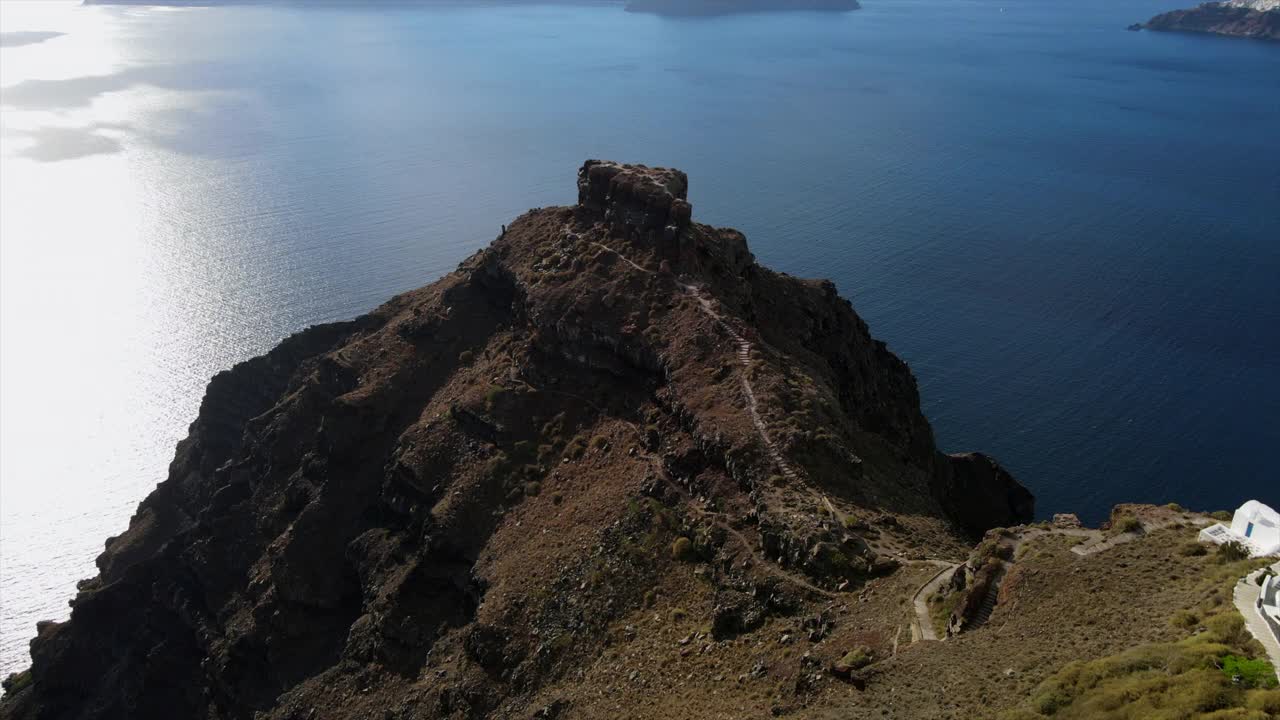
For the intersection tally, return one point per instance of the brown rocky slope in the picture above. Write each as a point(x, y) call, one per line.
point(455, 505)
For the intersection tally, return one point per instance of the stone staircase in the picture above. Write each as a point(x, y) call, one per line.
point(988, 606)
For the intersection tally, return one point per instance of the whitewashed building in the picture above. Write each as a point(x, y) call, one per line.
point(1269, 603)
point(1269, 598)
point(1254, 525)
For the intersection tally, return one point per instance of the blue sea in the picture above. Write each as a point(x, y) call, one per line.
point(1069, 231)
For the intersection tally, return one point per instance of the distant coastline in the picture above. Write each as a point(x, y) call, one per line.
point(1256, 19)
point(659, 7)
point(344, 3)
point(729, 7)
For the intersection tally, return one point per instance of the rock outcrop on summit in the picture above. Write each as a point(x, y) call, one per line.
point(463, 503)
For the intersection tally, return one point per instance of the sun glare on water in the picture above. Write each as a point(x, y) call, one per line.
point(84, 302)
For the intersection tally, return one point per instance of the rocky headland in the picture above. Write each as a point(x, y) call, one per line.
point(496, 467)
point(1258, 19)
point(609, 467)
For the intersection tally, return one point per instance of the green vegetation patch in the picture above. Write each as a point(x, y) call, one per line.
point(856, 659)
point(1249, 672)
point(986, 550)
point(941, 608)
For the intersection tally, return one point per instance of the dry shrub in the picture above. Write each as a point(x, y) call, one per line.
point(682, 548)
point(1127, 524)
point(1194, 549)
point(1233, 551)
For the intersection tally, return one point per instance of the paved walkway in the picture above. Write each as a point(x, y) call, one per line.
point(1095, 542)
point(1246, 597)
point(1099, 542)
point(922, 627)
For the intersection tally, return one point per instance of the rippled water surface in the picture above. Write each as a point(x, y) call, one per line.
point(1071, 232)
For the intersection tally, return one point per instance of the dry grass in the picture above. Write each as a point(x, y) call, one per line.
point(1215, 671)
point(1060, 613)
point(1204, 673)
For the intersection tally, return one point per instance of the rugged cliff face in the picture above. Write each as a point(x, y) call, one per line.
point(1259, 19)
point(456, 505)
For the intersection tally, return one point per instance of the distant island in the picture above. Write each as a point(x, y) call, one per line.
point(1259, 19)
point(727, 7)
point(659, 7)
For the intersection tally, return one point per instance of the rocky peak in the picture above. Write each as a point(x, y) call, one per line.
point(648, 200)
point(453, 504)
